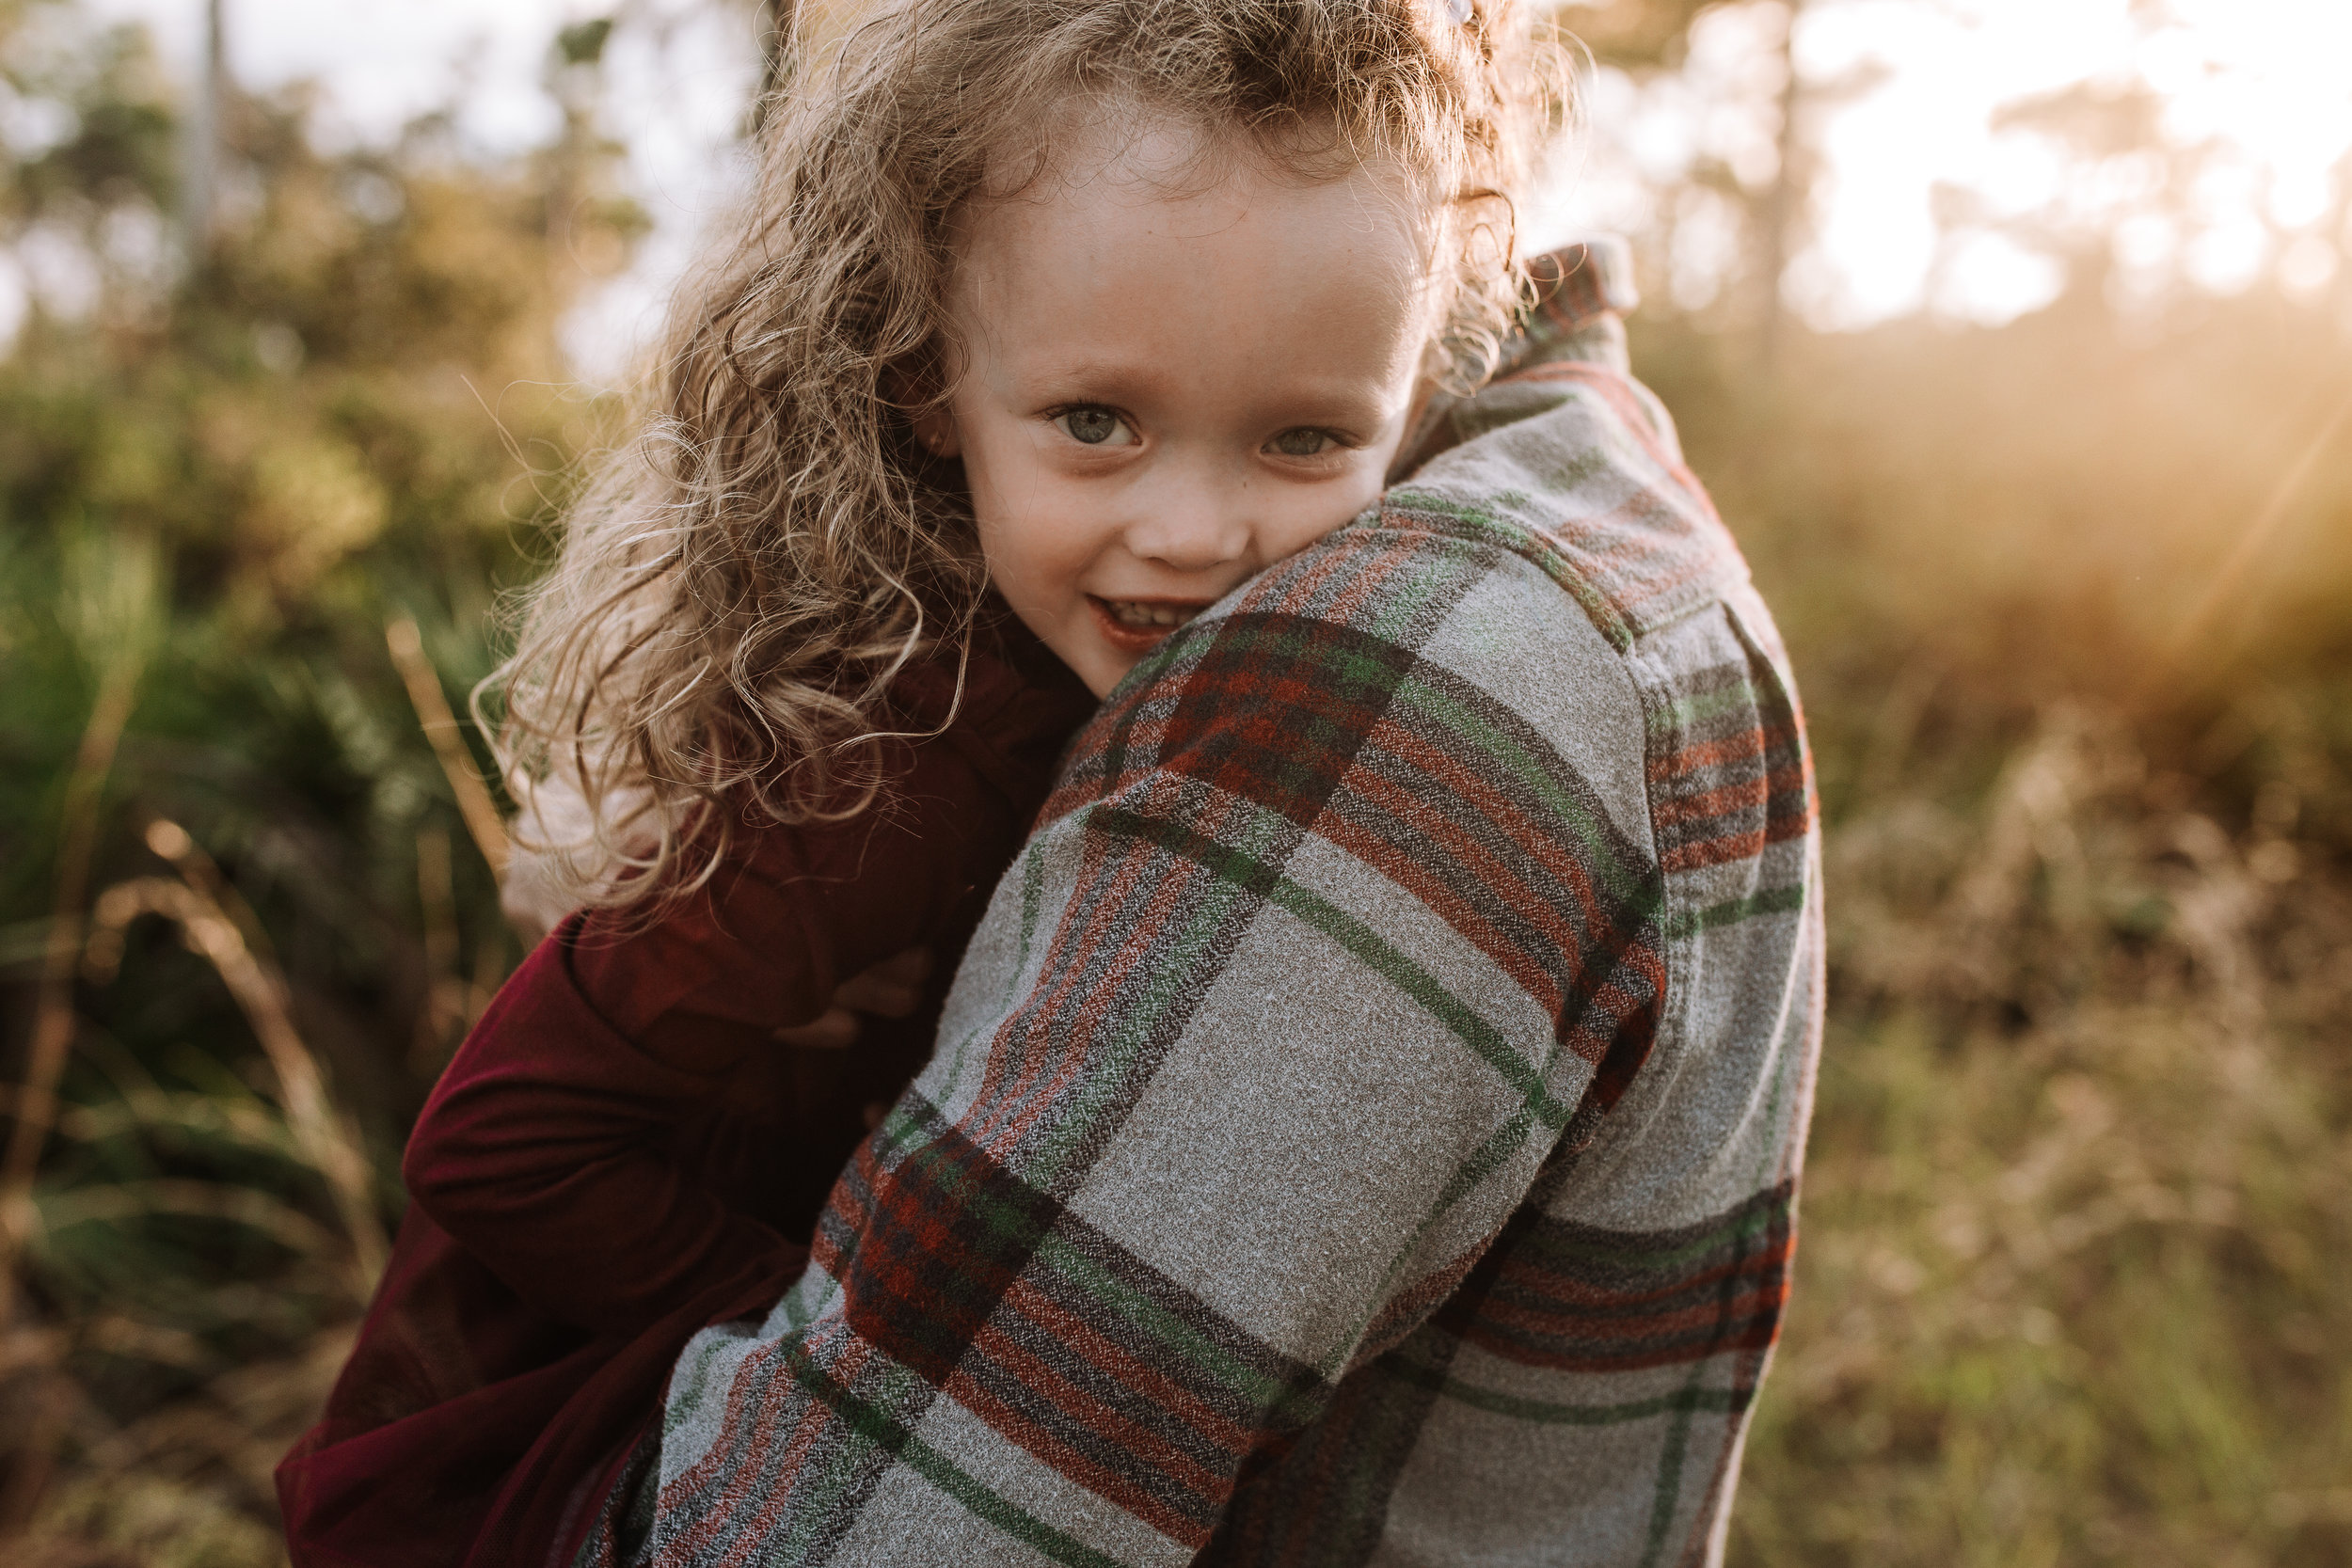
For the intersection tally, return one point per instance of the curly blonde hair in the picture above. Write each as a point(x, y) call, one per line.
point(740, 586)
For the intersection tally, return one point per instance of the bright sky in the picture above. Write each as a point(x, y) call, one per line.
point(2270, 78)
point(1906, 93)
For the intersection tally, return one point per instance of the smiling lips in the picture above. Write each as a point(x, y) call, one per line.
point(1138, 626)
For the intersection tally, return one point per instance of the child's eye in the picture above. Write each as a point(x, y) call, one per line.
point(1303, 443)
point(1095, 427)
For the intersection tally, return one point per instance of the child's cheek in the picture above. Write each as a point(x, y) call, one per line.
point(1059, 530)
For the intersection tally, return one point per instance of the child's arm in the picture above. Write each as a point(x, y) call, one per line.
point(548, 1151)
point(554, 1147)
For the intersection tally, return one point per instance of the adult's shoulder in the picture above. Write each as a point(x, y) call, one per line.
point(1419, 663)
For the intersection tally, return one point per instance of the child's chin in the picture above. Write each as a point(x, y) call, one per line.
point(1106, 670)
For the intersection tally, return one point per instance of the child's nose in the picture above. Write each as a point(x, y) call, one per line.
point(1193, 527)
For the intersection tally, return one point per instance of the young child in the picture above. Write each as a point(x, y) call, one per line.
point(1009, 371)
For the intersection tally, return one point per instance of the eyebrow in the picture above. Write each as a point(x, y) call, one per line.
point(1112, 379)
point(1092, 370)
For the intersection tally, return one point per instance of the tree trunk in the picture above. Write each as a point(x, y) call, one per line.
point(200, 141)
point(1782, 207)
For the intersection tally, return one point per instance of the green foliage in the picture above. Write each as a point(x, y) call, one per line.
point(1638, 35)
point(230, 466)
point(582, 43)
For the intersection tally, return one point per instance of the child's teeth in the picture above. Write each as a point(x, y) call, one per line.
point(1133, 615)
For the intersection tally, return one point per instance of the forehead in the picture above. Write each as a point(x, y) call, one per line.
point(1146, 229)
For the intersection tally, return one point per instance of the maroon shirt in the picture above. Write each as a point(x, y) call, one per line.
point(622, 1153)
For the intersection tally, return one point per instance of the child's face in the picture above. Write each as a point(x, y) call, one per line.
point(1167, 385)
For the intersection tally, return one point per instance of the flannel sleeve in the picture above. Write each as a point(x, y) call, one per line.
point(1317, 955)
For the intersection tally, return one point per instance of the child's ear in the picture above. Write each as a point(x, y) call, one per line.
point(936, 430)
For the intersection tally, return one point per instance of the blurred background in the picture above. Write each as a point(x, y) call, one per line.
point(2011, 335)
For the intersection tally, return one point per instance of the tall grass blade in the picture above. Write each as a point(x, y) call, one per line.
point(328, 1144)
point(474, 805)
point(114, 610)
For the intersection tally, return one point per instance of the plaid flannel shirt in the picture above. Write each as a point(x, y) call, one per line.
point(1365, 1127)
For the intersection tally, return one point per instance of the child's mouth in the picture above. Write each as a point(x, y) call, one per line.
point(1138, 626)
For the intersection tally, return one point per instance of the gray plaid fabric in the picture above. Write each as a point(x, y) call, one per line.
point(1366, 1127)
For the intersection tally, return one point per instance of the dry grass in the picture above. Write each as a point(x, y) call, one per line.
point(2077, 1261)
point(126, 1294)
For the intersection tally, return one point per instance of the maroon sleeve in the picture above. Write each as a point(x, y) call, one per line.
point(569, 1143)
point(548, 1151)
